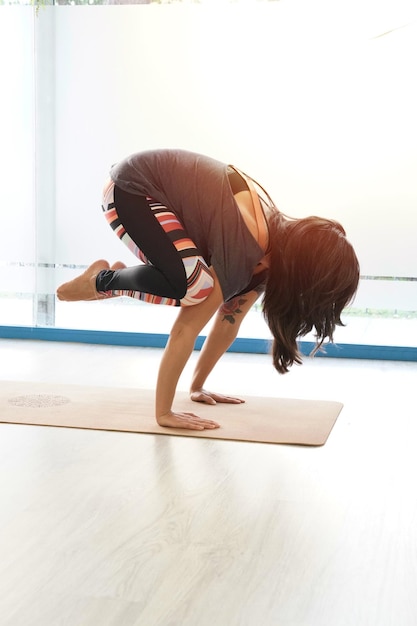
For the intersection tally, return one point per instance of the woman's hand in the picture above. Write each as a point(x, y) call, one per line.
point(209, 397)
point(186, 420)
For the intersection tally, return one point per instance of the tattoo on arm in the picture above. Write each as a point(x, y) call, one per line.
point(231, 309)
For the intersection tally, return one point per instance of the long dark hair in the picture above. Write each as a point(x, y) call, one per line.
point(313, 275)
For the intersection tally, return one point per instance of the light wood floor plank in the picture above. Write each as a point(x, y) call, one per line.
point(114, 529)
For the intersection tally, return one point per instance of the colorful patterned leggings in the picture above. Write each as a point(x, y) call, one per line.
point(172, 271)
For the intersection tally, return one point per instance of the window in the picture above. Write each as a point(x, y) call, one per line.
point(322, 112)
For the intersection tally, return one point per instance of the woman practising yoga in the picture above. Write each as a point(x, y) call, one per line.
point(211, 240)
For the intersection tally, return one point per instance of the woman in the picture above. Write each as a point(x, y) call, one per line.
point(211, 240)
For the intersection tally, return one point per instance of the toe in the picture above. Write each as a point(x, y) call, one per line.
point(118, 266)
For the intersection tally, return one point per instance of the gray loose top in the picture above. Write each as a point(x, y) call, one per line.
point(196, 188)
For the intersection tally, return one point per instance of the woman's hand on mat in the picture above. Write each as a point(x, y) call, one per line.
point(185, 420)
point(209, 397)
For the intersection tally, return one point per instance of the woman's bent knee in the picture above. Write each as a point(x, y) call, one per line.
point(200, 283)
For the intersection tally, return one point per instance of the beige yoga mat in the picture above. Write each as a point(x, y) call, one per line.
point(267, 420)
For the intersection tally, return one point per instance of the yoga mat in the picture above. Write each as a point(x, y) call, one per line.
point(266, 420)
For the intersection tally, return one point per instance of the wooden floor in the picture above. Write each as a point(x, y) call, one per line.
point(111, 529)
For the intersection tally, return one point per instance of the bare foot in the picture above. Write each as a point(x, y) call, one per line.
point(84, 286)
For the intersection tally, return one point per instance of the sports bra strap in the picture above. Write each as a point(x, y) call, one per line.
point(263, 236)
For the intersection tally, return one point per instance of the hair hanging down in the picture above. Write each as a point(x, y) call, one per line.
point(314, 274)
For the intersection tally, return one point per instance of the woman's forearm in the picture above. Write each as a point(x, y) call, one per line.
point(176, 355)
point(218, 341)
point(221, 336)
point(189, 323)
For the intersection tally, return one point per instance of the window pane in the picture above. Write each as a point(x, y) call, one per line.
point(17, 241)
point(321, 111)
point(325, 120)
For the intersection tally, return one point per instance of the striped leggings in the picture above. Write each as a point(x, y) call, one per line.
point(172, 271)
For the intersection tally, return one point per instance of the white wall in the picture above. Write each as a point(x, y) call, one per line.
point(303, 95)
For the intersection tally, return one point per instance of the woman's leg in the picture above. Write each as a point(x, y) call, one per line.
point(173, 272)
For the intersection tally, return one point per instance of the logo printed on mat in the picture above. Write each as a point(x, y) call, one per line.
point(39, 400)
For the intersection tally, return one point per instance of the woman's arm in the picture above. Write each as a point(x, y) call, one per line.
point(189, 323)
point(222, 334)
